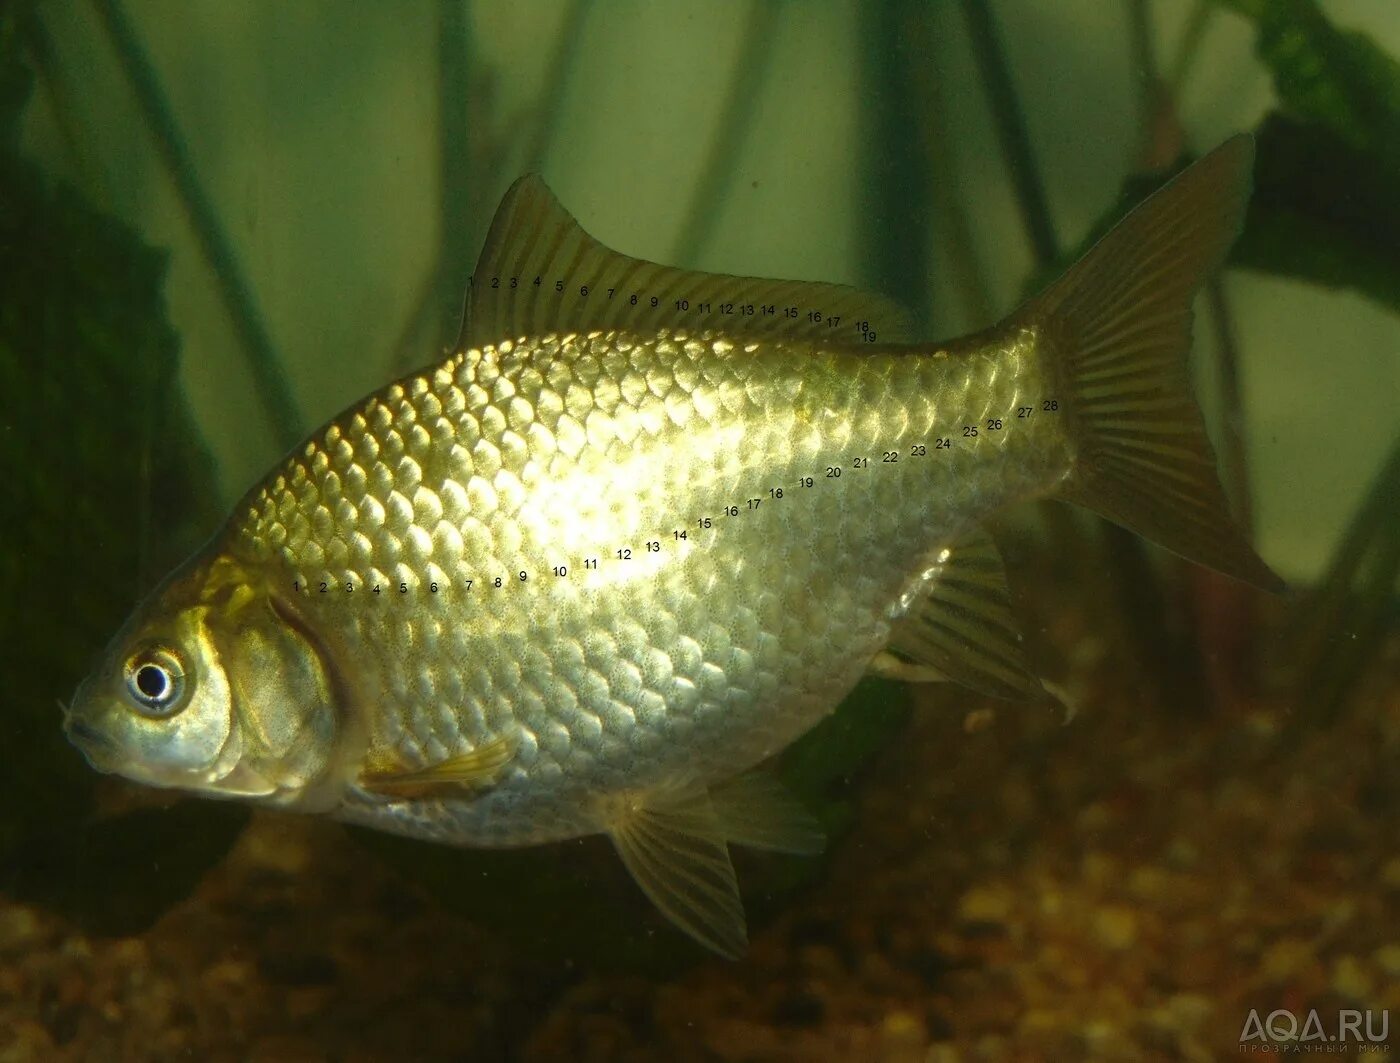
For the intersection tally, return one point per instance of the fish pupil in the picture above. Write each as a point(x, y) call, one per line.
point(152, 682)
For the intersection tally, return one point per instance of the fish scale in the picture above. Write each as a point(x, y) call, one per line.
point(587, 578)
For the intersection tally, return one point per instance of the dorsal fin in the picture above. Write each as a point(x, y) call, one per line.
point(540, 272)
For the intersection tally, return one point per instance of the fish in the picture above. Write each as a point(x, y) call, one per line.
point(641, 528)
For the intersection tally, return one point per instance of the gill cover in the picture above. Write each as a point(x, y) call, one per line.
point(283, 698)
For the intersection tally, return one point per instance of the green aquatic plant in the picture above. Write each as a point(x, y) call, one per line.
point(108, 482)
point(1336, 225)
point(1340, 626)
point(1325, 211)
point(1324, 208)
point(263, 361)
point(89, 293)
point(1327, 76)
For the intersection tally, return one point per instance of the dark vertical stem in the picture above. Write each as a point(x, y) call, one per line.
point(1019, 157)
point(895, 152)
point(1340, 628)
point(1234, 464)
point(455, 177)
point(269, 378)
point(1011, 129)
point(1190, 43)
point(746, 83)
point(412, 346)
point(1222, 610)
point(1141, 603)
point(1178, 662)
point(46, 60)
point(1145, 56)
point(559, 72)
point(949, 205)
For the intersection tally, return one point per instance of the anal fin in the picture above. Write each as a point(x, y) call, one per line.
point(961, 627)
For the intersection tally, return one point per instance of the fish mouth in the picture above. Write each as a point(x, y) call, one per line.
point(96, 746)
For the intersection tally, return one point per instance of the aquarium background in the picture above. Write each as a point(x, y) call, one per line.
point(224, 222)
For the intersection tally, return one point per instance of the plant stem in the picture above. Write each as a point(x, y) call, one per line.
point(269, 375)
point(1011, 130)
point(746, 83)
point(1339, 629)
point(1140, 27)
point(1190, 45)
point(46, 60)
point(1234, 463)
point(560, 72)
point(948, 202)
point(455, 179)
point(895, 177)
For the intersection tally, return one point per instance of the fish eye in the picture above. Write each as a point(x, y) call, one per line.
point(155, 681)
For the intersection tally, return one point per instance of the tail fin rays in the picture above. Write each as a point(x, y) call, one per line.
point(1120, 321)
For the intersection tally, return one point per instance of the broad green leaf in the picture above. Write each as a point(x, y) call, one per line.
point(1336, 78)
point(1322, 212)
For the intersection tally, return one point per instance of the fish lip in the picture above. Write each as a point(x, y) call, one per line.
point(94, 745)
point(85, 732)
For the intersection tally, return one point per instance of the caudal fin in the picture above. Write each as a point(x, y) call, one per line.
point(1120, 324)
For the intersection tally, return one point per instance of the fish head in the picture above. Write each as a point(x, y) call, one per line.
point(213, 686)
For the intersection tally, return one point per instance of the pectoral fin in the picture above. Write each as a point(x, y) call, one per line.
point(477, 768)
point(540, 272)
point(961, 627)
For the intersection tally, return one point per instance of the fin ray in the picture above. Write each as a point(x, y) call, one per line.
point(754, 809)
point(962, 627)
point(673, 847)
point(1121, 317)
point(476, 768)
point(533, 236)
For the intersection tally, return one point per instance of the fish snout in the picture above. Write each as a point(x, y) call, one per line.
point(95, 745)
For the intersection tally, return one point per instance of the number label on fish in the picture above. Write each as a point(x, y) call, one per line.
point(686, 310)
point(652, 547)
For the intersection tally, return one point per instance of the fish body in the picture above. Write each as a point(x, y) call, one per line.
point(692, 658)
point(585, 578)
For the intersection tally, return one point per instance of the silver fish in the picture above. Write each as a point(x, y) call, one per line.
point(644, 528)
